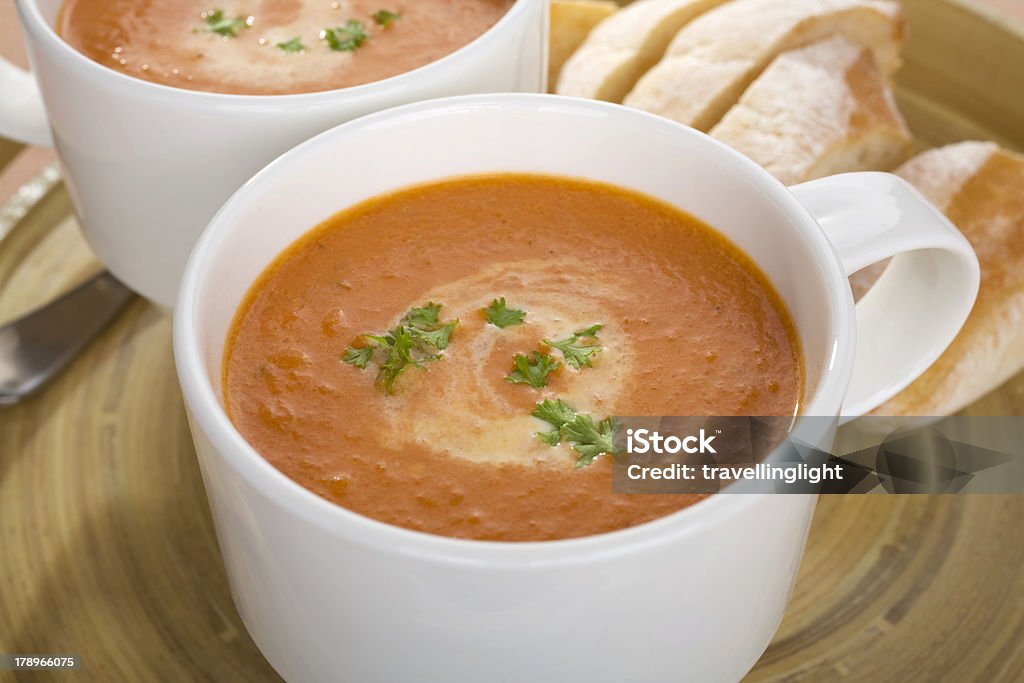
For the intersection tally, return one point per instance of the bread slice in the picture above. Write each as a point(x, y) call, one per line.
point(817, 111)
point(626, 45)
point(981, 189)
point(571, 23)
point(712, 60)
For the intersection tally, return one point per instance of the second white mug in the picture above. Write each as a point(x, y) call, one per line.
point(148, 165)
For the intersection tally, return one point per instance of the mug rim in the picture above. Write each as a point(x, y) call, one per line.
point(208, 415)
point(31, 11)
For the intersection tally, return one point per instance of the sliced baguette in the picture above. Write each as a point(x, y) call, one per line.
point(571, 23)
point(817, 111)
point(618, 52)
point(979, 187)
point(712, 60)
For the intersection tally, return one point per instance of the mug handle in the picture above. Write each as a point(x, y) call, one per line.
point(917, 307)
point(22, 116)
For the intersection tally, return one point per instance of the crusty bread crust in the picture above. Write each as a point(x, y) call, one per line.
point(712, 60)
point(624, 46)
point(981, 189)
point(571, 23)
point(816, 111)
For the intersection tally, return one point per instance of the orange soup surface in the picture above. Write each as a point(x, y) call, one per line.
point(272, 47)
point(675, 320)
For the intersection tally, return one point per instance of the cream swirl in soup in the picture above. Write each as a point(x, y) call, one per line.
point(272, 47)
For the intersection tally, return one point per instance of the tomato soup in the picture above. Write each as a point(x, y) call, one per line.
point(449, 358)
point(272, 47)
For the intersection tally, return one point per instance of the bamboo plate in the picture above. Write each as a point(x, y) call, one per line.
point(109, 552)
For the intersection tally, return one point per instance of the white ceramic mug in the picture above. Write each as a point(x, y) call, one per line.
point(148, 165)
point(329, 595)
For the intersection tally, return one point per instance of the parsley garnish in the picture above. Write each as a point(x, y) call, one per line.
point(346, 38)
point(533, 369)
point(358, 357)
point(500, 315)
point(217, 23)
point(293, 45)
point(578, 354)
point(385, 17)
point(425, 327)
point(551, 438)
point(404, 347)
point(558, 414)
point(399, 357)
point(589, 440)
point(424, 315)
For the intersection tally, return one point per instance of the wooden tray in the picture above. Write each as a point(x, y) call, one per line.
point(109, 552)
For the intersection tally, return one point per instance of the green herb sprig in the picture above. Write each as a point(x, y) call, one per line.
point(385, 18)
point(411, 344)
point(347, 38)
point(578, 348)
point(425, 327)
point(588, 438)
point(500, 315)
point(293, 45)
point(533, 369)
point(224, 26)
point(557, 413)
